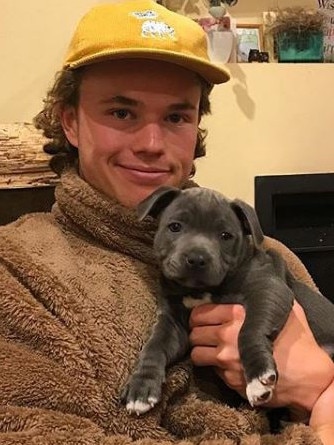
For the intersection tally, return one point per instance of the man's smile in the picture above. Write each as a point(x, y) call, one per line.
point(146, 175)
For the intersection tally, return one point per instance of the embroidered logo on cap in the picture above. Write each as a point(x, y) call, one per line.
point(153, 28)
point(148, 14)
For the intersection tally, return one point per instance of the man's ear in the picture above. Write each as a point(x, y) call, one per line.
point(69, 122)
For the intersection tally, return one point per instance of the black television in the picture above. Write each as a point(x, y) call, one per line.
point(298, 210)
point(15, 202)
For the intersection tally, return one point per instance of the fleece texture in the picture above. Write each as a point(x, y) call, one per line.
point(78, 291)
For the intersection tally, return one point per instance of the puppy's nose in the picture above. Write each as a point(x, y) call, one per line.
point(196, 260)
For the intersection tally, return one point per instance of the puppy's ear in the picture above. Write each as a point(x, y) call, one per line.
point(249, 220)
point(154, 204)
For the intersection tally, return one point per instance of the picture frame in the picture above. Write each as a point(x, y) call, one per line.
point(249, 36)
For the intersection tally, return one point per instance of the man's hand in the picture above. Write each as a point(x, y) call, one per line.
point(214, 337)
point(305, 370)
point(322, 417)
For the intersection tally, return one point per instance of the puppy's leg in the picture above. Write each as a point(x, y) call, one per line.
point(267, 310)
point(168, 342)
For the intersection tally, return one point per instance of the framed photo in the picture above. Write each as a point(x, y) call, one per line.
point(249, 36)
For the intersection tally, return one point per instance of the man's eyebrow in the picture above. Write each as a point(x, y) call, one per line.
point(120, 100)
point(124, 100)
point(183, 106)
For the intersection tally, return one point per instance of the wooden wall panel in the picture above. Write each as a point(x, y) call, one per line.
point(23, 162)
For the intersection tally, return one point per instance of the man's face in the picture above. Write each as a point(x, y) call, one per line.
point(135, 127)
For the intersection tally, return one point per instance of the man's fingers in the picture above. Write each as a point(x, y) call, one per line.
point(215, 314)
point(221, 356)
point(204, 356)
point(204, 336)
point(233, 379)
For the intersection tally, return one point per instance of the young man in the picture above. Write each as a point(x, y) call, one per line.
point(78, 286)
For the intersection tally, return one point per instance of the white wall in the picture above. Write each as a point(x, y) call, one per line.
point(33, 39)
point(269, 119)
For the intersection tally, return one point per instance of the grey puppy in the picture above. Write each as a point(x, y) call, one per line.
point(209, 249)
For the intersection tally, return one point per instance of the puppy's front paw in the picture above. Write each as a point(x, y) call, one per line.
point(142, 393)
point(260, 389)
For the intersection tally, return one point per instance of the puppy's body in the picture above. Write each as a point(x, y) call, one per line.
point(209, 251)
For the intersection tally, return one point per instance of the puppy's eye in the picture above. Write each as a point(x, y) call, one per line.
point(226, 236)
point(175, 227)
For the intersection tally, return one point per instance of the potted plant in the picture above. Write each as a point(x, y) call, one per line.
point(298, 34)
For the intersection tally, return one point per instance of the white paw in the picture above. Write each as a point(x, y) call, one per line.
point(139, 407)
point(260, 390)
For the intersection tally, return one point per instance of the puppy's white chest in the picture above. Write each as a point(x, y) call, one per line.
point(190, 302)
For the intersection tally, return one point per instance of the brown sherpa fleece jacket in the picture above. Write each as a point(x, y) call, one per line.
point(77, 299)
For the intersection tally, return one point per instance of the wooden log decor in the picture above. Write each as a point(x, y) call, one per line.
point(23, 162)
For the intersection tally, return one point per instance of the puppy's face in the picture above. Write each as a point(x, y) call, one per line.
point(199, 238)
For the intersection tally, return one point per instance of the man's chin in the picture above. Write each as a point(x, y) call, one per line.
point(132, 200)
point(130, 193)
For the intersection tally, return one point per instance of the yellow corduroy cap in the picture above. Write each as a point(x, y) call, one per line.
point(142, 29)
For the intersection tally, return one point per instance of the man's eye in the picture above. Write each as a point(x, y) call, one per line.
point(121, 114)
point(175, 227)
point(175, 118)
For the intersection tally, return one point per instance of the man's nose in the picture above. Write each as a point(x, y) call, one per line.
point(151, 138)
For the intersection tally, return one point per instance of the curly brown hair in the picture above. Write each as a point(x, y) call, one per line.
point(65, 92)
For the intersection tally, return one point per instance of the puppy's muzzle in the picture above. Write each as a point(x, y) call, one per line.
point(197, 261)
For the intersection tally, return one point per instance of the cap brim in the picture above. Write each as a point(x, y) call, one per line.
point(209, 71)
